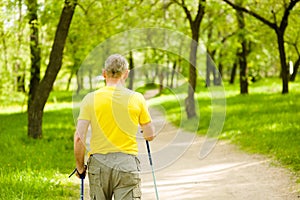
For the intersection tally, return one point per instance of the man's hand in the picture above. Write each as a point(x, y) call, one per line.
point(148, 131)
point(80, 173)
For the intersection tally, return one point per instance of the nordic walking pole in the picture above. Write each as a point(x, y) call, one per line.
point(153, 175)
point(82, 189)
point(81, 176)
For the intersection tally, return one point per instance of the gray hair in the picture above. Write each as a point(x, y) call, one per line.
point(115, 65)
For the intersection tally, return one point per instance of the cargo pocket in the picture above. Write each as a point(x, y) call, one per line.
point(128, 187)
point(129, 179)
point(94, 181)
point(137, 193)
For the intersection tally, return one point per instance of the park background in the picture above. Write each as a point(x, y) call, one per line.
point(254, 46)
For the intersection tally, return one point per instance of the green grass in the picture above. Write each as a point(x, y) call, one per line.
point(37, 169)
point(267, 124)
point(265, 121)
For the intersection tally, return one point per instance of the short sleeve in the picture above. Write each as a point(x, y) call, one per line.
point(144, 115)
point(85, 108)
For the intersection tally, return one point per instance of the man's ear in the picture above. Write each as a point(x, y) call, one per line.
point(103, 73)
point(125, 75)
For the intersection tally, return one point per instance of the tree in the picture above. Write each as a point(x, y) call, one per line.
point(19, 70)
point(294, 43)
point(243, 52)
point(131, 73)
point(296, 65)
point(212, 30)
point(41, 89)
point(195, 28)
point(279, 28)
point(35, 52)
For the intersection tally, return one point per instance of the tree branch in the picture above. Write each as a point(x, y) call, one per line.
point(85, 10)
point(186, 10)
point(284, 21)
point(200, 12)
point(257, 16)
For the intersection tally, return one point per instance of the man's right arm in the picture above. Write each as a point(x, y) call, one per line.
point(79, 144)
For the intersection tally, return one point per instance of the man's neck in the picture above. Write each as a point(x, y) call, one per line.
point(114, 82)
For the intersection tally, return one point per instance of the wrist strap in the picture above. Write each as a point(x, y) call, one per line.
point(82, 175)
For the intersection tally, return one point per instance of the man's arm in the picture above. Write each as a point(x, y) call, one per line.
point(79, 144)
point(148, 131)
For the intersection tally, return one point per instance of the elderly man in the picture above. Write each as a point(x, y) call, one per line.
point(114, 113)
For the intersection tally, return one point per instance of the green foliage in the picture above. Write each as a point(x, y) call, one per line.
point(95, 21)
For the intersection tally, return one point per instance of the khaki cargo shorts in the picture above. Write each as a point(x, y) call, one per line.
point(114, 175)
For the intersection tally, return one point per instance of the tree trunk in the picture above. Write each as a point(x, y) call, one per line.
point(79, 80)
point(195, 28)
point(90, 79)
point(295, 71)
point(35, 50)
point(242, 55)
point(220, 74)
point(233, 72)
point(220, 67)
point(20, 78)
point(34, 116)
point(131, 73)
point(190, 100)
point(167, 72)
point(20, 71)
point(36, 106)
point(5, 53)
point(173, 74)
point(210, 68)
point(243, 71)
point(284, 66)
point(69, 80)
point(161, 77)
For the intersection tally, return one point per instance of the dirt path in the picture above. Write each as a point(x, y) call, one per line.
point(225, 174)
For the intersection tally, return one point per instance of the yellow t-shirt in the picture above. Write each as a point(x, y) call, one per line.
point(114, 114)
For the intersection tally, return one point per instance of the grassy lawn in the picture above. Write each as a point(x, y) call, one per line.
point(37, 169)
point(264, 122)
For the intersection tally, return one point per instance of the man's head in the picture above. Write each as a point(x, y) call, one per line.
point(115, 67)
